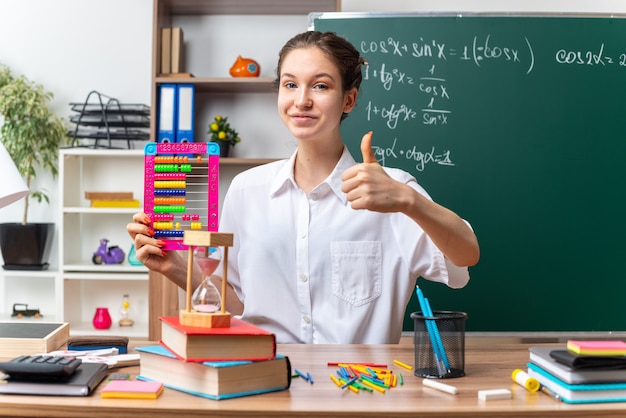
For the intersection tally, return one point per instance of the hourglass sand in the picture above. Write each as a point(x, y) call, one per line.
point(205, 308)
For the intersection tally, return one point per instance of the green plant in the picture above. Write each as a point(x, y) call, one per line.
point(220, 130)
point(30, 132)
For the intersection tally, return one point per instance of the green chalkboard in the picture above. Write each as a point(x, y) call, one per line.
point(518, 124)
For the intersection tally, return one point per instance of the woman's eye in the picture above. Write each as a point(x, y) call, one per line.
point(320, 87)
point(290, 85)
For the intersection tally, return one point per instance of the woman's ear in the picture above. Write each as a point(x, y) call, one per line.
point(350, 100)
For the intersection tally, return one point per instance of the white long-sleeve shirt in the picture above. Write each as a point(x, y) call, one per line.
point(313, 270)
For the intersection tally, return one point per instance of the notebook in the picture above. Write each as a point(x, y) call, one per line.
point(82, 383)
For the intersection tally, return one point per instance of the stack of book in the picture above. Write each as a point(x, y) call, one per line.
point(215, 363)
point(112, 200)
point(172, 53)
point(582, 371)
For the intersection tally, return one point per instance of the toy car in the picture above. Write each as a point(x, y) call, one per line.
point(21, 310)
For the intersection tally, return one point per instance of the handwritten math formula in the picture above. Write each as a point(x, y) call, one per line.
point(420, 67)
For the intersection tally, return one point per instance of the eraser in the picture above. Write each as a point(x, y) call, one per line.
point(494, 394)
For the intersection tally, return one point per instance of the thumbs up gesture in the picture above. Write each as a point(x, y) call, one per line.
point(367, 185)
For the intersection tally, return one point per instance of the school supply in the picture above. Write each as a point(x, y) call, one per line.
point(136, 389)
point(440, 386)
point(214, 380)
point(167, 113)
point(494, 394)
point(181, 189)
point(523, 379)
point(185, 113)
point(579, 393)
point(546, 358)
point(24, 338)
point(433, 332)
point(97, 342)
point(40, 367)
point(240, 341)
point(597, 348)
point(576, 361)
point(82, 383)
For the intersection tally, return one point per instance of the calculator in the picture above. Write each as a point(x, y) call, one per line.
point(40, 367)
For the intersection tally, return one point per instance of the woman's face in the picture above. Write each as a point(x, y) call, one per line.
point(310, 96)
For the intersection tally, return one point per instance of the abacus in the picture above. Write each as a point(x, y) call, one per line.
point(181, 189)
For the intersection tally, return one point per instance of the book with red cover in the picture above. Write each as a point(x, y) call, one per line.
point(214, 379)
point(241, 341)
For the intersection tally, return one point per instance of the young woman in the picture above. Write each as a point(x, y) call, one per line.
point(326, 250)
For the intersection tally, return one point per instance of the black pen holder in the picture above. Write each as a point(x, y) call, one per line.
point(440, 344)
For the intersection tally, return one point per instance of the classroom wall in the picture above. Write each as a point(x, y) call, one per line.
point(75, 46)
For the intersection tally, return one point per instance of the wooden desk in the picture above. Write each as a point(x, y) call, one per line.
point(488, 366)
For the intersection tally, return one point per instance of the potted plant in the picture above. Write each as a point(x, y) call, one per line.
point(32, 134)
point(221, 132)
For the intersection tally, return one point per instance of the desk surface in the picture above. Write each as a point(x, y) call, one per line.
point(488, 366)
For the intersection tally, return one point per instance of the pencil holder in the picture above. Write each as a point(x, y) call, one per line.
point(440, 344)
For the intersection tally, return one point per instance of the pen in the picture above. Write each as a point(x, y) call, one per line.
point(433, 332)
point(550, 393)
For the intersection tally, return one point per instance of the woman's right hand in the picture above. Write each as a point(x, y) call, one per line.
point(148, 249)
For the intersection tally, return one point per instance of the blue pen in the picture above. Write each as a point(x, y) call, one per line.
point(433, 332)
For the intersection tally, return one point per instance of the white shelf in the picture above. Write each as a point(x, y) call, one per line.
point(105, 276)
point(82, 285)
point(101, 211)
point(50, 273)
point(47, 317)
point(139, 331)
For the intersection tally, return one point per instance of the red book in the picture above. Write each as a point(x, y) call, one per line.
point(240, 341)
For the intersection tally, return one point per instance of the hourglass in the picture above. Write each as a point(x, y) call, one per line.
point(206, 298)
point(205, 307)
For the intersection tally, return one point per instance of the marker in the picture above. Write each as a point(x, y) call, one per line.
point(439, 386)
point(522, 378)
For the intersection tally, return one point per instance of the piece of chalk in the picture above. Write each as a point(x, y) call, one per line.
point(439, 386)
point(494, 394)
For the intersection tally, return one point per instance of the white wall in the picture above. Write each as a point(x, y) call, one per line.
point(75, 46)
point(72, 47)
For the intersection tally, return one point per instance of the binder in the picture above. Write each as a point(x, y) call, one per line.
point(184, 125)
point(167, 113)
